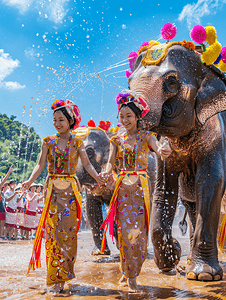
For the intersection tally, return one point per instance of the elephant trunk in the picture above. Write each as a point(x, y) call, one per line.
point(153, 95)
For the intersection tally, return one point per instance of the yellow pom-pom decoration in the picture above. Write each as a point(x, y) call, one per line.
point(222, 66)
point(211, 54)
point(153, 43)
point(211, 34)
point(114, 129)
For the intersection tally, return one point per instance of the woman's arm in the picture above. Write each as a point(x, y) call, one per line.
point(12, 196)
point(11, 169)
point(39, 167)
point(88, 166)
point(160, 149)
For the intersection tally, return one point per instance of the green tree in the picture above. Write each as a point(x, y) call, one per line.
point(20, 145)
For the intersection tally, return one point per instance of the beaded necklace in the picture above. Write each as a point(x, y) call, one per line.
point(59, 158)
point(130, 156)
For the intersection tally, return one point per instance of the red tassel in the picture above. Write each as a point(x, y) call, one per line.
point(104, 125)
point(91, 123)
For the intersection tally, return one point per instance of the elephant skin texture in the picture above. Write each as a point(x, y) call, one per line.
point(187, 104)
point(97, 147)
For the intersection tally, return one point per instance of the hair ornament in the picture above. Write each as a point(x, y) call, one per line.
point(71, 108)
point(128, 96)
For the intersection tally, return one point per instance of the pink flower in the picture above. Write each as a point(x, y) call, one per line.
point(168, 31)
point(223, 52)
point(132, 58)
point(198, 34)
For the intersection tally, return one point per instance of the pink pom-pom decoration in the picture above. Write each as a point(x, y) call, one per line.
point(128, 73)
point(168, 31)
point(223, 52)
point(132, 58)
point(144, 44)
point(198, 34)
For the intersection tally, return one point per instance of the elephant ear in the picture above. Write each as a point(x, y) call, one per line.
point(211, 97)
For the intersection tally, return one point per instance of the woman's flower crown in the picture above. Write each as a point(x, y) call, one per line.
point(126, 97)
point(70, 107)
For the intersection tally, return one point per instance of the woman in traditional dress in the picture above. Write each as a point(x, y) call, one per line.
point(62, 208)
point(130, 203)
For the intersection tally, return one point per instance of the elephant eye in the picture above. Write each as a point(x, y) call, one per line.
point(172, 84)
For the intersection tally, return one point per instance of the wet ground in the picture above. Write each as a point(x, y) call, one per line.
point(97, 277)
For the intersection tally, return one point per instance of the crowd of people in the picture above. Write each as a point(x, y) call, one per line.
point(20, 210)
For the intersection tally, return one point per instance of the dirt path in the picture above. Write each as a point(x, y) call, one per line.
point(97, 277)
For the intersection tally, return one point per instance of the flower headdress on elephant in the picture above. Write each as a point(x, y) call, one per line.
point(213, 54)
point(209, 51)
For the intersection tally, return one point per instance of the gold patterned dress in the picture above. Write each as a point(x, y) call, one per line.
point(130, 203)
point(61, 212)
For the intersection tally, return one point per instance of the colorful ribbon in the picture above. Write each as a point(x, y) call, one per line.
point(222, 233)
point(112, 211)
point(36, 252)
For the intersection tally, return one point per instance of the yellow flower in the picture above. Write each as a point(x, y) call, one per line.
point(211, 34)
point(211, 54)
point(222, 66)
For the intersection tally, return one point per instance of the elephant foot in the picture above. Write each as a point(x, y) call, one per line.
point(204, 272)
point(168, 259)
point(96, 251)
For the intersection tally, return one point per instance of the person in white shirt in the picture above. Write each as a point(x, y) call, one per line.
point(12, 197)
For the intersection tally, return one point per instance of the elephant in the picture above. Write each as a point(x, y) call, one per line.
point(187, 103)
point(97, 146)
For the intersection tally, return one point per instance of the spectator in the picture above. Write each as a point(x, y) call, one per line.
point(3, 189)
point(12, 197)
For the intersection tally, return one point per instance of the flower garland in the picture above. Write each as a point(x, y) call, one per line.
point(59, 157)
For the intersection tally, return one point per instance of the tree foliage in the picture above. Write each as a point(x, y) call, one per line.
point(20, 145)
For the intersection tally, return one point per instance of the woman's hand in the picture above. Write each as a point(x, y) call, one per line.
point(26, 184)
point(164, 149)
point(11, 169)
point(100, 179)
point(104, 175)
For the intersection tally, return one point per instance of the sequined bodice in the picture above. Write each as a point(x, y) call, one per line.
point(70, 160)
point(137, 161)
